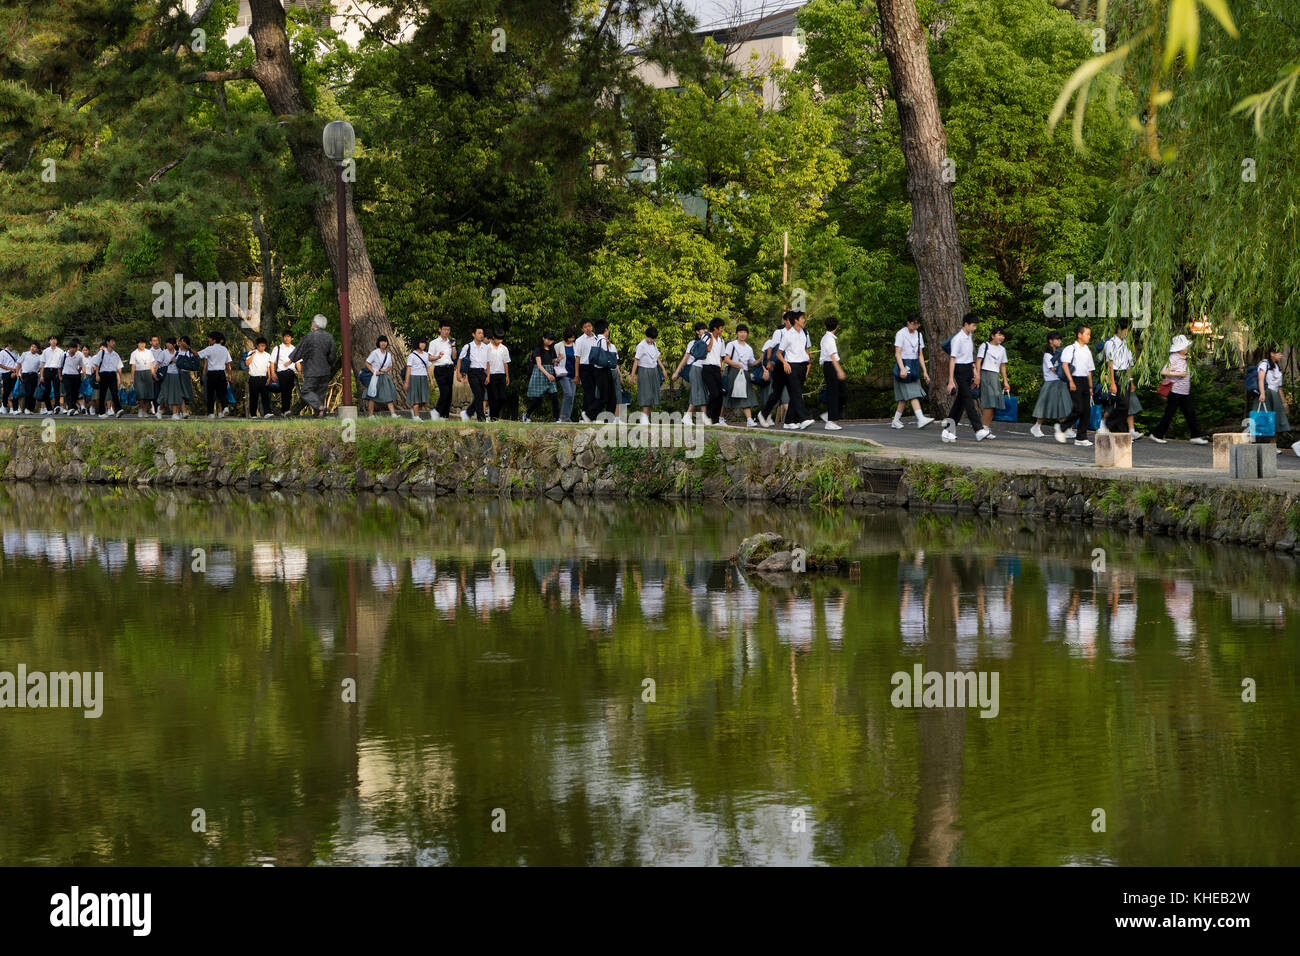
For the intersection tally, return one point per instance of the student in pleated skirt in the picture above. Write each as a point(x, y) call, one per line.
point(172, 393)
point(1054, 401)
point(739, 358)
point(416, 382)
point(1270, 391)
point(650, 371)
point(541, 381)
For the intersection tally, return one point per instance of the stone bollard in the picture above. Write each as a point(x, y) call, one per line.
point(1113, 450)
point(1223, 443)
point(1267, 460)
point(1245, 459)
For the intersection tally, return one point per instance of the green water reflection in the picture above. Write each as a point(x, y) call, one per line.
point(513, 679)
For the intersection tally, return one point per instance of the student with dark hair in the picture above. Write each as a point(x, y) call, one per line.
point(472, 367)
point(51, 360)
point(686, 371)
point(834, 375)
point(381, 388)
point(442, 356)
point(107, 365)
point(70, 371)
point(1270, 390)
point(498, 375)
point(794, 355)
point(8, 376)
point(1119, 373)
point(184, 349)
point(30, 365)
point(172, 393)
point(743, 392)
point(711, 372)
point(961, 380)
point(1054, 402)
point(1077, 366)
point(650, 371)
point(778, 390)
point(910, 371)
point(416, 380)
point(541, 380)
point(990, 362)
point(261, 369)
point(142, 368)
point(608, 388)
point(216, 359)
point(565, 369)
point(159, 357)
point(582, 349)
point(285, 371)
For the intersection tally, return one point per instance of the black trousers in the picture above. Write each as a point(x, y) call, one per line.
point(214, 391)
point(834, 392)
point(1082, 415)
point(964, 375)
point(108, 390)
point(477, 378)
point(7, 382)
point(50, 376)
point(71, 390)
point(30, 382)
point(778, 382)
point(286, 380)
point(496, 395)
point(442, 375)
point(796, 412)
point(611, 391)
point(1174, 404)
point(711, 378)
point(259, 394)
point(591, 382)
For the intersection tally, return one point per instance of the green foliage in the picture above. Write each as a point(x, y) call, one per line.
point(378, 453)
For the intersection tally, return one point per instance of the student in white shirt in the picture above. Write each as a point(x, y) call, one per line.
point(442, 356)
point(8, 377)
point(286, 371)
point(990, 362)
point(711, 371)
point(698, 396)
point(773, 394)
point(833, 374)
point(142, 368)
point(381, 388)
point(582, 349)
point(416, 380)
point(909, 362)
point(793, 354)
point(216, 358)
point(740, 358)
point(472, 368)
point(498, 375)
point(1270, 391)
point(650, 371)
point(107, 366)
point(1077, 366)
point(172, 393)
point(1119, 372)
point(608, 389)
point(30, 364)
point(566, 364)
point(51, 360)
point(70, 375)
point(961, 380)
point(1054, 400)
point(159, 357)
point(261, 370)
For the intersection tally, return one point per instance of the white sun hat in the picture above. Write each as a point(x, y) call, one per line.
point(1179, 343)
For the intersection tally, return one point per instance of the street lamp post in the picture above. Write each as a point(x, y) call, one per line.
point(339, 139)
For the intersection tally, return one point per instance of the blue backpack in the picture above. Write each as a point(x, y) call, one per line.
point(1057, 367)
point(699, 349)
point(1252, 380)
point(946, 344)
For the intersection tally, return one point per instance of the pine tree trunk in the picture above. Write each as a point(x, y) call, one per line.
point(274, 72)
point(942, 292)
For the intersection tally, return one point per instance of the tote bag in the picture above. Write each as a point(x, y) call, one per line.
point(1263, 424)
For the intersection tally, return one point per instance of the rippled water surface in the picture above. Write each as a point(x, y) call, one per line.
point(501, 653)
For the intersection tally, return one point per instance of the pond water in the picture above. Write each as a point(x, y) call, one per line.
point(499, 655)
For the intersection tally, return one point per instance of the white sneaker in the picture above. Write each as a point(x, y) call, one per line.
point(805, 423)
point(1102, 429)
point(896, 423)
point(464, 415)
point(158, 413)
point(1158, 441)
point(705, 420)
point(790, 427)
point(1197, 441)
point(948, 436)
point(832, 427)
point(176, 416)
point(119, 413)
point(1135, 434)
point(140, 413)
point(764, 420)
point(390, 415)
point(1071, 433)
point(224, 413)
point(923, 420)
point(1035, 430)
point(434, 416)
point(1083, 443)
point(750, 423)
point(268, 415)
point(212, 415)
point(825, 416)
point(524, 419)
point(1058, 434)
point(982, 434)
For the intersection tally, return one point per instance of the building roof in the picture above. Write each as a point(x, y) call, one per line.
point(780, 24)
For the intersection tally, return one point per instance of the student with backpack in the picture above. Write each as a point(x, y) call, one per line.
point(107, 366)
point(603, 362)
point(1077, 366)
point(70, 371)
point(961, 379)
point(442, 356)
point(582, 350)
point(794, 355)
point(472, 367)
point(1268, 391)
point(1119, 361)
point(833, 375)
point(777, 380)
point(143, 367)
point(415, 379)
point(8, 377)
point(1054, 400)
point(739, 356)
point(30, 364)
point(380, 388)
point(172, 393)
point(286, 372)
point(990, 362)
point(910, 371)
point(565, 367)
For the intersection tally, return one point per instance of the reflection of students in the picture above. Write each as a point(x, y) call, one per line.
point(1178, 602)
point(833, 613)
point(1122, 628)
point(913, 599)
point(1081, 623)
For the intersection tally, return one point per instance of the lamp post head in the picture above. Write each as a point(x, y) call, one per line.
point(339, 139)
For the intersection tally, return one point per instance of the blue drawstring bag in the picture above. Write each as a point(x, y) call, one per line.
point(19, 391)
point(41, 390)
point(87, 388)
point(1096, 417)
point(230, 394)
point(126, 396)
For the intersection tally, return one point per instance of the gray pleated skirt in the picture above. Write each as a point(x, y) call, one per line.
point(144, 386)
point(1121, 384)
point(418, 393)
point(172, 393)
point(385, 392)
point(1275, 405)
point(906, 391)
point(647, 387)
point(991, 391)
point(1054, 401)
point(750, 398)
point(699, 394)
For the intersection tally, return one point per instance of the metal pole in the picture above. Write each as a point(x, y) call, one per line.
point(345, 322)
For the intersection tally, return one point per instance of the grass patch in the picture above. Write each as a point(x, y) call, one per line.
point(1146, 498)
point(378, 454)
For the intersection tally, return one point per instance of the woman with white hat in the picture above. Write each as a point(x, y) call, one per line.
point(1178, 376)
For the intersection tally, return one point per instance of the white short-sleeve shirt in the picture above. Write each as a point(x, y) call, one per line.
point(992, 357)
point(380, 361)
point(647, 354)
point(909, 342)
point(829, 348)
point(418, 364)
point(1079, 358)
point(963, 348)
point(259, 365)
point(217, 356)
point(141, 360)
point(1272, 376)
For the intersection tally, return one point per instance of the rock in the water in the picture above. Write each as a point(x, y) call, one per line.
point(781, 561)
point(759, 546)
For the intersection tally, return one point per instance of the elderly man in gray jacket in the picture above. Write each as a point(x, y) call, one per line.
point(316, 352)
